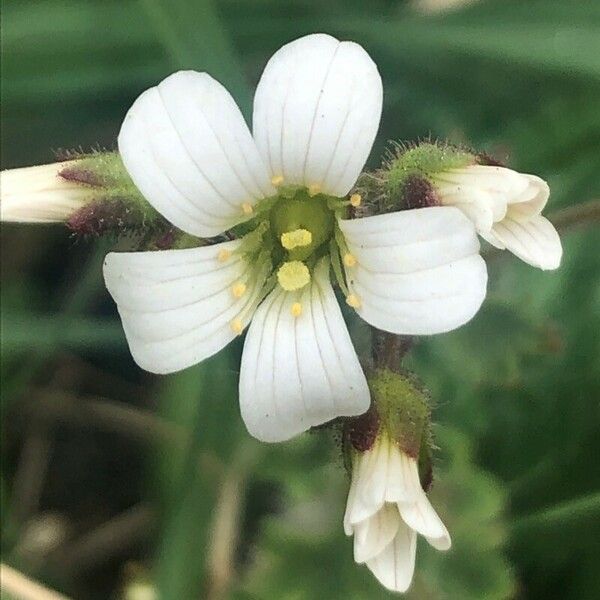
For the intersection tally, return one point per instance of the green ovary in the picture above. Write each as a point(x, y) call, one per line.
point(302, 212)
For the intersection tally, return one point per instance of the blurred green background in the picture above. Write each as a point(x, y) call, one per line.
point(118, 484)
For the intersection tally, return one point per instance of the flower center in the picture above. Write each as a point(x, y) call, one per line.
point(288, 235)
point(301, 224)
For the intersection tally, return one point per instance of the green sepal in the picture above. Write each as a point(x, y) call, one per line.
point(115, 205)
point(403, 409)
point(406, 178)
point(423, 160)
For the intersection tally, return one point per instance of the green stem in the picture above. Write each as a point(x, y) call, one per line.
point(587, 507)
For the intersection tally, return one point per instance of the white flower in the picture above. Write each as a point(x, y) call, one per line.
point(386, 509)
point(188, 150)
point(39, 195)
point(505, 207)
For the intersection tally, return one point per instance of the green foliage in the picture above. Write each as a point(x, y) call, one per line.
point(517, 388)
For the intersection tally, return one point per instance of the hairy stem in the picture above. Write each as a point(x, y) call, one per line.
point(389, 349)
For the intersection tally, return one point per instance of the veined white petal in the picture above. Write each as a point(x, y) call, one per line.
point(40, 195)
point(177, 305)
point(531, 202)
point(401, 478)
point(394, 567)
point(299, 371)
point(441, 543)
point(316, 112)
point(479, 213)
point(534, 241)
point(348, 526)
point(495, 180)
point(386, 502)
point(418, 272)
point(487, 194)
point(372, 535)
point(380, 475)
point(370, 474)
point(421, 517)
point(187, 148)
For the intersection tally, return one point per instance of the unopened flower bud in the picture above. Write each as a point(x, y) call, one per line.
point(504, 205)
point(387, 505)
point(386, 509)
point(92, 195)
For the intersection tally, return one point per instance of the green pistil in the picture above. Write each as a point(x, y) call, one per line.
point(302, 212)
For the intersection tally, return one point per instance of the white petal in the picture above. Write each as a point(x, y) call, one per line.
point(177, 305)
point(371, 536)
point(350, 502)
point(40, 195)
point(442, 543)
point(479, 213)
point(417, 511)
point(394, 567)
point(316, 112)
point(479, 189)
point(419, 271)
point(534, 241)
point(187, 148)
point(403, 478)
point(381, 474)
point(532, 200)
point(421, 517)
point(298, 372)
point(505, 183)
point(370, 476)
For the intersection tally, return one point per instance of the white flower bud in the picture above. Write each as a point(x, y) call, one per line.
point(39, 194)
point(505, 207)
point(386, 509)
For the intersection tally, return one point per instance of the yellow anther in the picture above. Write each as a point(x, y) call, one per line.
point(296, 309)
point(277, 180)
point(314, 189)
point(236, 326)
point(223, 255)
point(238, 289)
point(293, 275)
point(353, 300)
point(349, 259)
point(355, 200)
point(247, 208)
point(296, 238)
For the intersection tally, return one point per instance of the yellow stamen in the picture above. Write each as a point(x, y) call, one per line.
point(296, 309)
point(293, 275)
point(296, 238)
point(349, 259)
point(238, 289)
point(236, 326)
point(223, 255)
point(353, 300)
point(247, 208)
point(277, 180)
point(355, 200)
point(314, 189)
